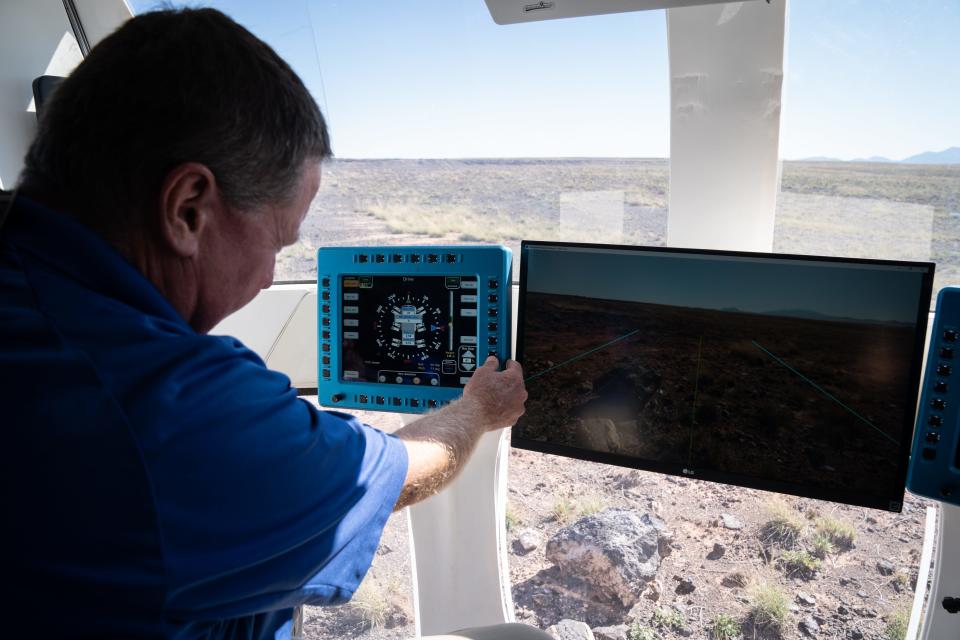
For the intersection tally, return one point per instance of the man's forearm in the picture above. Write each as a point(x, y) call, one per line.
point(438, 446)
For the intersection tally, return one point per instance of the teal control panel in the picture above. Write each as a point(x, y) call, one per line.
point(404, 328)
point(935, 461)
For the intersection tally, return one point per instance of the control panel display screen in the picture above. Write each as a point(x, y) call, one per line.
point(409, 330)
point(793, 374)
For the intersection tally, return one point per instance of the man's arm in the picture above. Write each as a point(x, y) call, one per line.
point(439, 445)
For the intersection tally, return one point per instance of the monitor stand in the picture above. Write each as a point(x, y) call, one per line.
point(458, 545)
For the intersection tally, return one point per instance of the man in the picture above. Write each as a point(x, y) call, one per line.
point(160, 482)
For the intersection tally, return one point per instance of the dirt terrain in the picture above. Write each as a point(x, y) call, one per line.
point(856, 592)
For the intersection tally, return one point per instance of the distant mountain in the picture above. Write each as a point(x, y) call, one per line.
point(947, 156)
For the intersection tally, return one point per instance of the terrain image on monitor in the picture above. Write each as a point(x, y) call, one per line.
point(788, 395)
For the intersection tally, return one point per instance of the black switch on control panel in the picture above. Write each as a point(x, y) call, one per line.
point(946, 352)
point(362, 258)
point(494, 283)
point(933, 438)
point(943, 369)
point(451, 258)
point(492, 340)
point(493, 297)
point(379, 400)
point(433, 258)
point(325, 282)
point(325, 295)
point(950, 335)
point(415, 258)
point(337, 397)
point(492, 312)
point(414, 402)
point(940, 386)
point(935, 421)
point(491, 326)
point(939, 404)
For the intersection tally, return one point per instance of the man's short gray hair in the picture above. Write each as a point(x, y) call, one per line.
point(170, 87)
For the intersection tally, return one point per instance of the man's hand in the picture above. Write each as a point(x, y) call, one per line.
point(496, 397)
point(439, 444)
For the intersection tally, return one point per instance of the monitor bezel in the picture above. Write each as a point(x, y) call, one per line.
point(892, 502)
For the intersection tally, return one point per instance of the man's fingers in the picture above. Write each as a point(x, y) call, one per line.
point(513, 364)
point(491, 360)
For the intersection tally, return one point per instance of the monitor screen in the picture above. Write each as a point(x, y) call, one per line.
point(409, 329)
point(795, 374)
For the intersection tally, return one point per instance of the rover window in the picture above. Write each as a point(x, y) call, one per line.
point(448, 129)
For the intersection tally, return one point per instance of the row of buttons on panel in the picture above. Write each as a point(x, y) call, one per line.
point(325, 328)
point(409, 258)
point(390, 401)
point(940, 386)
point(493, 313)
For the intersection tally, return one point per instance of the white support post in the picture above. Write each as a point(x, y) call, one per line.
point(458, 546)
point(939, 624)
point(726, 80)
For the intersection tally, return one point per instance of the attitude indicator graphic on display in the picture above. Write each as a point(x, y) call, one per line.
point(410, 327)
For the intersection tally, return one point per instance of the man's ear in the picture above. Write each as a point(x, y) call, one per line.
point(189, 198)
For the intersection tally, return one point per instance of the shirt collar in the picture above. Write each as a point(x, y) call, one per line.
point(80, 254)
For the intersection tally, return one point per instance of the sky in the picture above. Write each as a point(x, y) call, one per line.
point(432, 79)
point(874, 294)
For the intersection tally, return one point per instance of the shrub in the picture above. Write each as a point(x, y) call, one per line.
point(512, 519)
point(897, 625)
point(638, 631)
point(563, 510)
point(822, 545)
point(769, 607)
point(591, 505)
point(724, 627)
point(784, 526)
point(842, 534)
point(371, 604)
point(799, 563)
point(668, 618)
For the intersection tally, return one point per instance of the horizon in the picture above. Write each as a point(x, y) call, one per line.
point(817, 158)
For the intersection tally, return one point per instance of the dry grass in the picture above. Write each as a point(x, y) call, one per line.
point(371, 603)
point(769, 607)
point(842, 534)
point(784, 525)
point(800, 564)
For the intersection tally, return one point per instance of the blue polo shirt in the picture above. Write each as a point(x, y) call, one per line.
point(159, 482)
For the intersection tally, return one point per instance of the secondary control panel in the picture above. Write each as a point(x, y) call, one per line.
point(935, 458)
point(404, 328)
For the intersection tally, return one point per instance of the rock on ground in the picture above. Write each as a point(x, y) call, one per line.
point(528, 540)
point(571, 630)
point(616, 551)
point(615, 632)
